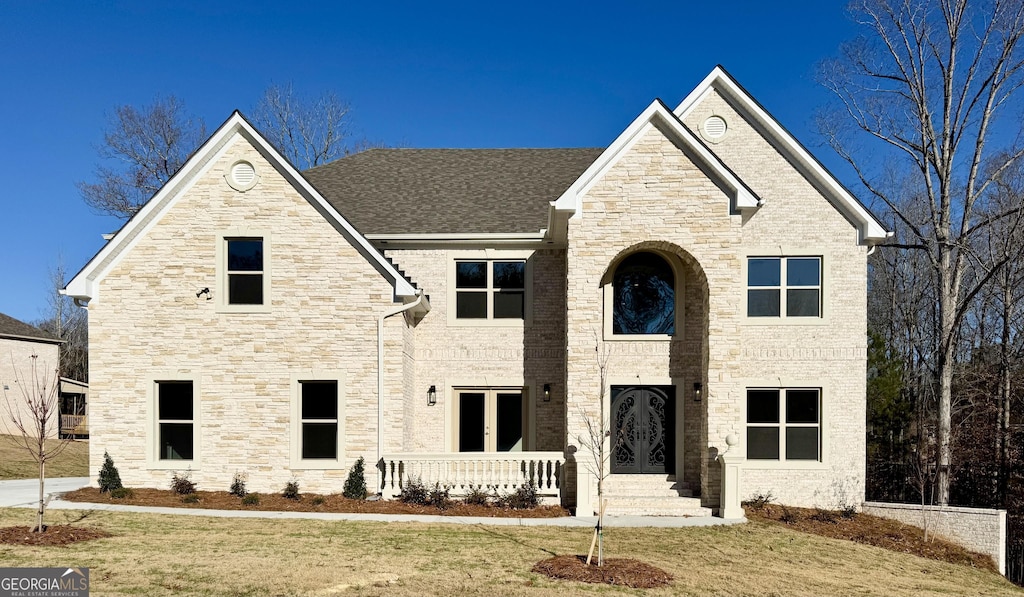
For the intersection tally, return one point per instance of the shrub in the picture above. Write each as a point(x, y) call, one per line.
point(110, 479)
point(318, 500)
point(827, 516)
point(291, 490)
point(848, 512)
point(477, 497)
point(181, 483)
point(238, 485)
point(251, 499)
point(439, 497)
point(190, 499)
point(414, 492)
point(355, 484)
point(122, 493)
point(523, 498)
point(760, 501)
point(788, 516)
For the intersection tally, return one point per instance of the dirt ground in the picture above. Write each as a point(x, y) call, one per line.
point(62, 534)
point(615, 571)
point(308, 502)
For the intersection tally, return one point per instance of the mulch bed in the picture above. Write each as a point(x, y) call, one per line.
point(870, 530)
point(308, 502)
point(622, 572)
point(59, 535)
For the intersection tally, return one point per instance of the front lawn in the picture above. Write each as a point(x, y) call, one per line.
point(17, 463)
point(160, 555)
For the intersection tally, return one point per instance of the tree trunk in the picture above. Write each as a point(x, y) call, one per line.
point(947, 344)
point(42, 478)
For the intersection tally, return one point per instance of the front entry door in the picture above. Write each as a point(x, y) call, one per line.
point(643, 429)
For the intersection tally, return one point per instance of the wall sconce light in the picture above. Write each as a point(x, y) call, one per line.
point(547, 392)
point(698, 389)
point(205, 291)
point(432, 396)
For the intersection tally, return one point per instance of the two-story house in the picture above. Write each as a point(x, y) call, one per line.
point(470, 316)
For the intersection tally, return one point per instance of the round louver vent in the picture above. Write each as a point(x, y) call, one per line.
point(243, 174)
point(715, 127)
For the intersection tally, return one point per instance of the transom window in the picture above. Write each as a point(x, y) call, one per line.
point(644, 297)
point(489, 420)
point(319, 420)
point(490, 289)
point(245, 271)
point(798, 279)
point(175, 420)
point(784, 424)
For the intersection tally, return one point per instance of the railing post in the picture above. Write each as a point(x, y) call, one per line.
point(732, 461)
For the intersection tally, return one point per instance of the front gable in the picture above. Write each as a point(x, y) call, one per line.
point(85, 285)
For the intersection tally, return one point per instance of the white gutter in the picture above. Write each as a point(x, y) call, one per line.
point(380, 374)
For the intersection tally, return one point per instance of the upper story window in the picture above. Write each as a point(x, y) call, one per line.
point(245, 271)
point(784, 287)
point(644, 296)
point(490, 289)
point(784, 424)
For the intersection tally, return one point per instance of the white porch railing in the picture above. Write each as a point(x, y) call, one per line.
point(74, 424)
point(462, 471)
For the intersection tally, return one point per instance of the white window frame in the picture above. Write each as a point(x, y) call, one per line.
point(783, 254)
point(222, 293)
point(608, 297)
point(489, 256)
point(782, 463)
point(153, 459)
point(297, 462)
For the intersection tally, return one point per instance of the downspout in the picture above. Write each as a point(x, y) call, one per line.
point(380, 375)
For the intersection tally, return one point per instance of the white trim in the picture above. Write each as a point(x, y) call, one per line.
point(871, 230)
point(85, 284)
point(656, 114)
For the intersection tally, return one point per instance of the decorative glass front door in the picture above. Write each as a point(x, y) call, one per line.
point(643, 429)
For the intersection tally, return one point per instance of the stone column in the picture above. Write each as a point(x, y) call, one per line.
point(732, 462)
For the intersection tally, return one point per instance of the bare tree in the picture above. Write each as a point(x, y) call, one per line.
point(926, 91)
point(596, 443)
point(35, 418)
point(142, 149)
point(68, 323)
point(308, 132)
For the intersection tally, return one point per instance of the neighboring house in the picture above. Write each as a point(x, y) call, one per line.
point(74, 408)
point(461, 315)
point(19, 343)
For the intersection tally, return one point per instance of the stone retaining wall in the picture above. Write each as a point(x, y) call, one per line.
point(979, 529)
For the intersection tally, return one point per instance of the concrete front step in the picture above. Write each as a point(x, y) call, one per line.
point(646, 486)
point(654, 506)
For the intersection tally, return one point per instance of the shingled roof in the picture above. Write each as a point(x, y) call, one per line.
point(449, 191)
point(10, 326)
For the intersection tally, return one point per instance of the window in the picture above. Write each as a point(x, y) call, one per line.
point(175, 420)
point(490, 289)
point(643, 296)
point(489, 420)
point(784, 424)
point(319, 420)
point(798, 279)
point(245, 271)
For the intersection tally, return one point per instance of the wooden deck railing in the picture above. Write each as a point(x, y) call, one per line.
point(461, 472)
point(74, 424)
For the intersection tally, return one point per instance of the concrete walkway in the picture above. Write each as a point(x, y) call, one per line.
point(25, 494)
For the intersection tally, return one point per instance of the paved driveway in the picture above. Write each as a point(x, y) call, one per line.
point(25, 492)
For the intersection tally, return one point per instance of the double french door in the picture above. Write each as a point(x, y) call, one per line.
point(490, 420)
point(643, 429)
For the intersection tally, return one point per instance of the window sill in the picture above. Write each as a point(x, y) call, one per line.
point(785, 465)
point(786, 321)
point(172, 465)
point(317, 465)
point(487, 323)
point(243, 308)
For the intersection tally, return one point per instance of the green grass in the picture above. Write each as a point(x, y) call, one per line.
point(17, 463)
point(186, 555)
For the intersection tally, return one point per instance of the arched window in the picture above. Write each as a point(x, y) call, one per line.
point(644, 296)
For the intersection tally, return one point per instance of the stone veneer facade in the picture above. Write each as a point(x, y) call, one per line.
point(147, 325)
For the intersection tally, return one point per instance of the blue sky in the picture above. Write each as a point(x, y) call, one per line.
point(438, 74)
